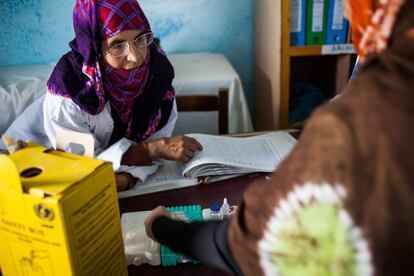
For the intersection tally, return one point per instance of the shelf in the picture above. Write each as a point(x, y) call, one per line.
point(336, 49)
point(300, 51)
point(275, 65)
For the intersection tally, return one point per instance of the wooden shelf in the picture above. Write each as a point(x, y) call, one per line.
point(301, 51)
point(338, 49)
point(273, 64)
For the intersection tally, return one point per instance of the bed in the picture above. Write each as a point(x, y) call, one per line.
point(195, 73)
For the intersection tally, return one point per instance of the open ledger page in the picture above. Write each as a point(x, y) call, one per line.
point(225, 155)
point(168, 176)
point(222, 157)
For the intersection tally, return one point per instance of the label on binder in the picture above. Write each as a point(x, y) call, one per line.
point(317, 16)
point(338, 16)
point(295, 16)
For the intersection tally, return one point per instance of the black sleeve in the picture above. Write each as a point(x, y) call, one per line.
point(203, 241)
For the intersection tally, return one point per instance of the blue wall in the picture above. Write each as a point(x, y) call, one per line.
point(34, 31)
point(38, 31)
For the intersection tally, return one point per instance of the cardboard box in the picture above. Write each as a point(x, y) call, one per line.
point(59, 215)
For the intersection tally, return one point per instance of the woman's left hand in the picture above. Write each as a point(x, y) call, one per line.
point(181, 148)
point(124, 181)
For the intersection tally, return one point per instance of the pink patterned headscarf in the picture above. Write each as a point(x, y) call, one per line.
point(141, 99)
point(124, 86)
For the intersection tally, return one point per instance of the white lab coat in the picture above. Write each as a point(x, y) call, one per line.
point(40, 121)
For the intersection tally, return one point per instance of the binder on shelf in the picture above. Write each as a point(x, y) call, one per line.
point(336, 32)
point(316, 18)
point(297, 22)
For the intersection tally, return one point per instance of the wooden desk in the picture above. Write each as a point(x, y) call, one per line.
point(204, 195)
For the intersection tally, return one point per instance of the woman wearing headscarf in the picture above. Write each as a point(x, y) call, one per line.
point(342, 203)
point(116, 84)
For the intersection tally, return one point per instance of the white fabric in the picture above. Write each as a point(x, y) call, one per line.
point(63, 113)
point(19, 87)
point(196, 73)
point(29, 125)
point(205, 73)
point(114, 154)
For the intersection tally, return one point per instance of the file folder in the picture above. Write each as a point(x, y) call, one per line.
point(297, 22)
point(337, 25)
point(317, 15)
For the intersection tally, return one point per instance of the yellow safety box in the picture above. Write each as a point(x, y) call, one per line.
point(59, 215)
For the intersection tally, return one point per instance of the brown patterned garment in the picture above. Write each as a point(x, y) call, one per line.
point(342, 203)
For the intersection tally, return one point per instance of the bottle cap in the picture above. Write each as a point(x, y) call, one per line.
point(215, 207)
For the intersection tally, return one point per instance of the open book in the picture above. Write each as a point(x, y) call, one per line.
point(222, 157)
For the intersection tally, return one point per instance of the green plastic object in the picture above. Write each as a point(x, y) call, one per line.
point(191, 213)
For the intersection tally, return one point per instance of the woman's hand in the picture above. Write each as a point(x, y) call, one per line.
point(124, 181)
point(179, 147)
point(160, 211)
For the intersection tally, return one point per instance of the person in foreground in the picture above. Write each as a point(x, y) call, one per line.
point(115, 84)
point(342, 202)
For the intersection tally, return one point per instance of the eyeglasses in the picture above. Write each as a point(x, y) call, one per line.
point(122, 48)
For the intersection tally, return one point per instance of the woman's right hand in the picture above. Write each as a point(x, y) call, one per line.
point(181, 148)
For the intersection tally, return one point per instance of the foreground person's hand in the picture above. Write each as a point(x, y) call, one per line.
point(160, 211)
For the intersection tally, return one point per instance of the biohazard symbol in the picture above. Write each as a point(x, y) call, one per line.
point(44, 212)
